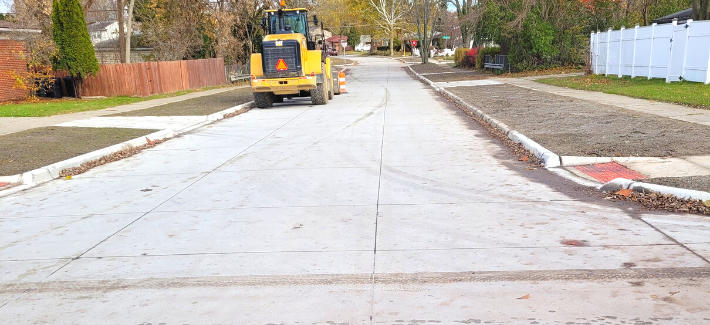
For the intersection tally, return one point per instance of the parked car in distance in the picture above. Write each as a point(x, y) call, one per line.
point(332, 52)
point(362, 47)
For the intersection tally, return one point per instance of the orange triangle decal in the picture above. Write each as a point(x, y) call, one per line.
point(281, 65)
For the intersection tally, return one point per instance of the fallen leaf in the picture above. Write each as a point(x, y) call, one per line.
point(673, 293)
point(68, 176)
point(625, 193)
point(706, 203)
point(525, 296)
point(654, 296)
point(525, 158)
point(150, 142)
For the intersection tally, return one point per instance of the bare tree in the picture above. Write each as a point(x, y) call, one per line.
point(464, 10)
point(423, 13)
point(390, 14)
point(129, 30)
point(171, 28)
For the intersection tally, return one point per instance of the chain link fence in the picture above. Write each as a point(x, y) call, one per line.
point(236, 73)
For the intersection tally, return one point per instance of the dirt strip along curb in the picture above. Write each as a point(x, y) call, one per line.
point(551, 161)
point(47, 173)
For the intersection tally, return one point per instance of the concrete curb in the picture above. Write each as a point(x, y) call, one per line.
point(551, 161)
point(627, 184)
point(51, 172)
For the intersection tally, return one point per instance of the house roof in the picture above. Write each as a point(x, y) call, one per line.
point(6, 26)
point(336, 38)
point(99, 25)
point(682, 17)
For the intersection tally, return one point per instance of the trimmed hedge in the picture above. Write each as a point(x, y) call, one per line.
point(460, 56)
point(492, 51)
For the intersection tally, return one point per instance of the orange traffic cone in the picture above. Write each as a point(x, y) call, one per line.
point(341, 80)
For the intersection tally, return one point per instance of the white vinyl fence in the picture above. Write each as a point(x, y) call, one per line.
point(669, 51)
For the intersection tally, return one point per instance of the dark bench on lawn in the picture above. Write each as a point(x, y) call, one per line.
point(500, 62)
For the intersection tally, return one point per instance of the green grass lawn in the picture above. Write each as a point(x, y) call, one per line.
point(73, 105)
point(687, 93)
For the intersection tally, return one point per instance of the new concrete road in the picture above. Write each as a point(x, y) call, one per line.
point(386, 206)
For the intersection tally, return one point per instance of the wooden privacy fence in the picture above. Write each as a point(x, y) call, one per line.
point(153, 78)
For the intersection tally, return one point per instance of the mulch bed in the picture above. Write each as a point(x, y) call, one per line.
point(429, 68)
point(574, 127)
point(458, 76)
point(197, 106)
point(28, 150)
point(339, 61)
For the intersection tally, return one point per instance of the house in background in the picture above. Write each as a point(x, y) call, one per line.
point(317, 32)
point(104, 36)
point(337, 42)
point(11, 36)
point(107, 52)
point(101, 31)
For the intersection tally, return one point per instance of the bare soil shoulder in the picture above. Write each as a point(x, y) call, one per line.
point(569, 126)
point(198, 106)
point(31, 149)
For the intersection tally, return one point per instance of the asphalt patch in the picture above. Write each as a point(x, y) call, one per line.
point(200, 106)
point(31, 149)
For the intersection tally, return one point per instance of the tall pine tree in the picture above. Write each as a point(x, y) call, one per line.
point(76, 53)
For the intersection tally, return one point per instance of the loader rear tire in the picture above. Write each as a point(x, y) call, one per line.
point(264, 100)
point(330, 90)
point(319, 96)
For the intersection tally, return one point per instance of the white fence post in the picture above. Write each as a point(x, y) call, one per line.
point(650, 53)
point(621, 44)
point(592, 62)
point(633, 60)
point(685, 49)
point(670, 54)
point(596, 66)
point(608, 44)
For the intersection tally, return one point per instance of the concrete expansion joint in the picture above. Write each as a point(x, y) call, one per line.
point(552, 161)
point(47, 173)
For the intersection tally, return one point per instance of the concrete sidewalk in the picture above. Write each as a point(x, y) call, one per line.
point(16, 124)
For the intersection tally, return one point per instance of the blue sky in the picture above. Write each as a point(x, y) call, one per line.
point(3, 7)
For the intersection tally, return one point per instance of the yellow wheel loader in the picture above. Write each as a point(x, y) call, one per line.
point(290, 63)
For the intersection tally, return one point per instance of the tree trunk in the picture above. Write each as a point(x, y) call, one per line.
point(391, 45)
point(78, 82)
point(121, 31)
point(129, 30)
point(425, 40)
point(372, 41)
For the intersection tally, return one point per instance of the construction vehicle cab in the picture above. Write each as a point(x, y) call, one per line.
point(290, 63)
